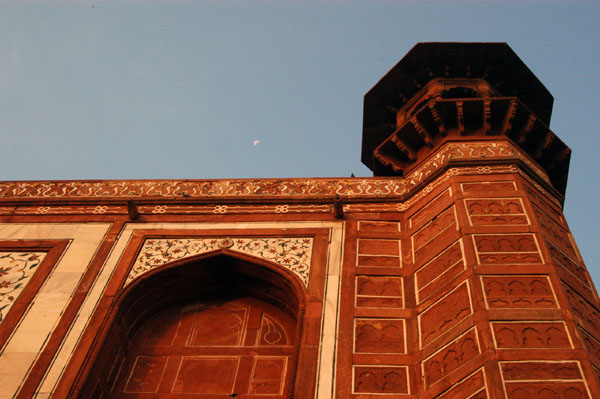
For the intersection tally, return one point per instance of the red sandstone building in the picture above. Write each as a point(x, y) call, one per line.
point(450, 274)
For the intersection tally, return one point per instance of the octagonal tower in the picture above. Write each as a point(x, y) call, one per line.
point(497, 302)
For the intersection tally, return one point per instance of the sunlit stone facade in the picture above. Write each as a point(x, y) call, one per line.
point(450, 274)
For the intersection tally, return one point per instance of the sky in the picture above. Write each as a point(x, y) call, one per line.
point(183, 89)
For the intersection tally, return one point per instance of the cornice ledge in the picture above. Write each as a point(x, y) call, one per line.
point(450, 154)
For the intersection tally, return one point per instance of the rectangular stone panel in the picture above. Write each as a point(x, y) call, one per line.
point(449, 358)
point(207, 375)
point(592, 344)
point(496, 211)
point(436, 226)
point(379, 335)
point(380, 380)
point(268, 375)
point(146, 374)
point(556, 233)
point(531, 335)
point(495, 186)
point(471, 387)
point(518, 292)
point(541, 379)
point(379, 292)
point(546, 389)
point(540, 370)
point(501, 220)
point(228, 332)
point(378, 253)
point(506, 249)
point(584, 310)
point(444, 314)
point(446, 265)
point(378, 227)
point(430, 210)
point(568, 264)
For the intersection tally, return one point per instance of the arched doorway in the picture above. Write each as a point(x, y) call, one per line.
point(219, 326)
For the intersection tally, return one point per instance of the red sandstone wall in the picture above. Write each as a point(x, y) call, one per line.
point(469, 287)
point(476, 291)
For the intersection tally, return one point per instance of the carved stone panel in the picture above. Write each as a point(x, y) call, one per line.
point(431, 209)
point(229, 331)
point(543, 379)
point(556, 233)
point(444, 314)
point(381, 379)
point(592, 344)
point(378, 253)
point(530, 334)
point(568, 264)
point(489, 186)
point(379, 335)
point(588, 314)
point(205, 374)
point(450, 357)
point(379, 292)
point(496, 211)
point(242, 346)
point(518, 292)
point(268, 374)
point(505, 249)
point(431, 230)
point(445, 266)
point(145, 375)
point(382, 228)
point(471, 387)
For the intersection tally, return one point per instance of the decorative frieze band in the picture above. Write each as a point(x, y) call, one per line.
point(452, 152)
point(293, 253)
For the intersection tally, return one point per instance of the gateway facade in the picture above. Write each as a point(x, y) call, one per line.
point(449, 274)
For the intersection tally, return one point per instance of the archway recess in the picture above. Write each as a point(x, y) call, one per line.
point(219, 325)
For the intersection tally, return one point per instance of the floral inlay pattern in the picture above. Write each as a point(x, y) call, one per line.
point(16, 268)
point(293, 253)
point(360, 187)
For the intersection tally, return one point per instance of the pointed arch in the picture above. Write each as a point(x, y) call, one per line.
point(218, 279)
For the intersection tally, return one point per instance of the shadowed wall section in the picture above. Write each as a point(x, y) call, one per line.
point(218, 326)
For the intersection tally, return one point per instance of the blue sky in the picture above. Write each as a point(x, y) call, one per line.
point(181, 89)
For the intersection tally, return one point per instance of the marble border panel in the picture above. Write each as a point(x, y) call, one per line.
point(24, 347)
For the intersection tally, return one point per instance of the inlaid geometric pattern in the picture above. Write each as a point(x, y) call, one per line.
point(16, 268)
point(293, 253)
